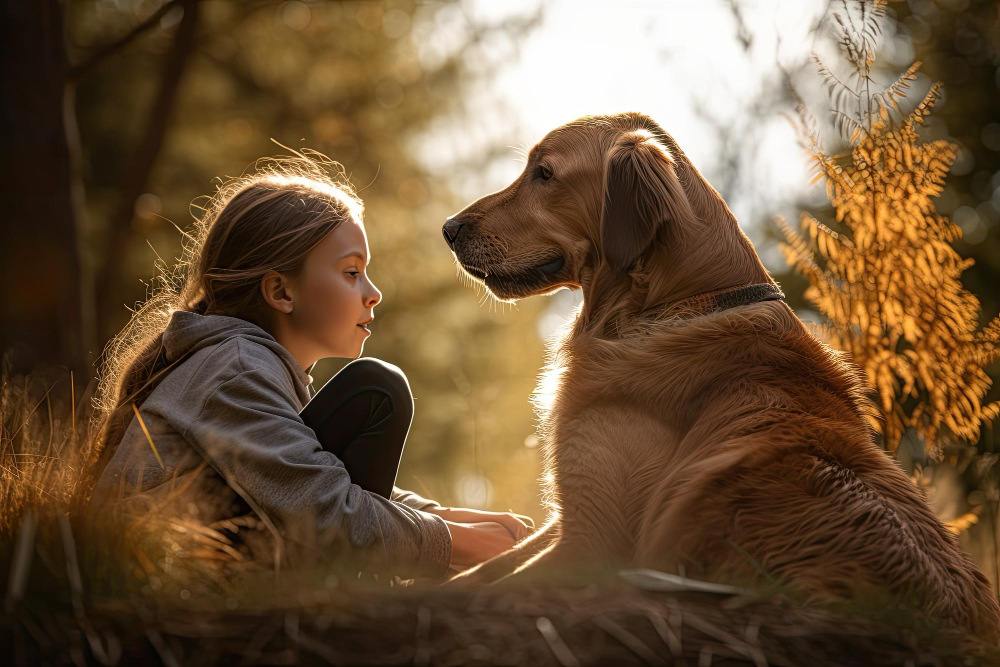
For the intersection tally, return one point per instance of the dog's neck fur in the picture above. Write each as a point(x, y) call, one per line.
point(681, 263)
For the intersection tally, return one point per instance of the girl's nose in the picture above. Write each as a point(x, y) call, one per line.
point(373, 297)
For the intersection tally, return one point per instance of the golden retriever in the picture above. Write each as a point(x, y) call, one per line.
point(690, 422)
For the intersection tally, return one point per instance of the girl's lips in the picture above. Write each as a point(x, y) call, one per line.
point(362, 326)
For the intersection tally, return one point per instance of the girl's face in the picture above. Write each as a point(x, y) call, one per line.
point(333, 297)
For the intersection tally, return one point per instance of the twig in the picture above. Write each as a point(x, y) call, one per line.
point(668, 636)
point(320, 649)
point(166, 655)
point(28, 418)
point(107, 656)
point(20, 565)
point(718, 634)
point(751, 635)
point(260, 638)
point(149, 438)
point(562, 652)
point(279, 542)
point(36, 631)
point(630, 641)
point(192, 477)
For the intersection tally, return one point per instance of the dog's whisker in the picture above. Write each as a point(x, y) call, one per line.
point(521, 150)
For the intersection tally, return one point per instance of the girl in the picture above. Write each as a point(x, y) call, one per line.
point(217, 374)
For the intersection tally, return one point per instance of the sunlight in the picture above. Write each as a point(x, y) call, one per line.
point(653, 57)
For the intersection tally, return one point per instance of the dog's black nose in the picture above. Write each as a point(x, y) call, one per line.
point(451, 229)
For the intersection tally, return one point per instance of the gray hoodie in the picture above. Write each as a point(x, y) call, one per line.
point(234, 402)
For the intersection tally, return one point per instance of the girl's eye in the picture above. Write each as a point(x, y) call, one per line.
point(543, 172)
point(353, 273)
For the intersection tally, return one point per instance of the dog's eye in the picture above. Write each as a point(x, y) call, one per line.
point(543, 172)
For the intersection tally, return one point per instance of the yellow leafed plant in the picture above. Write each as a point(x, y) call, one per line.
point(889, 282)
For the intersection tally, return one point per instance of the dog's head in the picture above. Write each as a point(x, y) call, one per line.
point(602, 190)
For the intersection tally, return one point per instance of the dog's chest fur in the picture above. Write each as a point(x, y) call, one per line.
point(605, 451)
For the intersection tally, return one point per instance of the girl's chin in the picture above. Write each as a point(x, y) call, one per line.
point(347, 349)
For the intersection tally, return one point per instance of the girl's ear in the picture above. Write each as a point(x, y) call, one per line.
point(641, 194)
point(275, 289)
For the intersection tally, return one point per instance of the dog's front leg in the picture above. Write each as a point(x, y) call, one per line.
point(503, 564)
point(561, 563)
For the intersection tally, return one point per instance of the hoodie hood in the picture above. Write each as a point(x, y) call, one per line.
point(188, 332)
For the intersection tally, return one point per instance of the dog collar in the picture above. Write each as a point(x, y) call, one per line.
point(721, 299)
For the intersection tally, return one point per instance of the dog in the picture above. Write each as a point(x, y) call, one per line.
point(689, 421)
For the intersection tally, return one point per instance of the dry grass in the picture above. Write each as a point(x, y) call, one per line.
point(44, 442)
point(352, 624)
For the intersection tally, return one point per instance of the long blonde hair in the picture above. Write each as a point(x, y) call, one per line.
point(267, 220)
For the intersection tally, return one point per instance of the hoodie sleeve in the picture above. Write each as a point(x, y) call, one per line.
point(411, 499)
point(251, 434)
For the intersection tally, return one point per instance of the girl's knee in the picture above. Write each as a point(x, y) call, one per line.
point(375, 372)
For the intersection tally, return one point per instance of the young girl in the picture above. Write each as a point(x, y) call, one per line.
point(276, 279)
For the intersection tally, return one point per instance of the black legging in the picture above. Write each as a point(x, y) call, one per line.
point(363, 415)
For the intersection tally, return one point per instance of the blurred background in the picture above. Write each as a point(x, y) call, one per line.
point(127, 111)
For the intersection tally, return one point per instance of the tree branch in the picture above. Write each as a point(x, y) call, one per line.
point(78, 70)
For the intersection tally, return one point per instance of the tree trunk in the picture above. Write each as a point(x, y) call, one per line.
point(40, 273)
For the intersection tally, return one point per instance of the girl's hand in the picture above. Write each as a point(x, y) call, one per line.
point(518, 525)
point(473, 543)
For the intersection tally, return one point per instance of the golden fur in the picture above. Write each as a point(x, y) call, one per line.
point(725, 446)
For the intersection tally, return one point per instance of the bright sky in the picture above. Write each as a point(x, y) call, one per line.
point(662, 58)
point(679, 61)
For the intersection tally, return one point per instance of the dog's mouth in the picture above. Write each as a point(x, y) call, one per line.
point(475, 272)
point(548, 268)
point(513, 283)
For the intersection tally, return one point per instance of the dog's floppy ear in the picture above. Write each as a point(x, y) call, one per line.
point(641, 193)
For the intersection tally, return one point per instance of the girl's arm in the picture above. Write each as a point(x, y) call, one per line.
point(518, 525)
point(253, 436)
point(411, 499)
point(470, 547)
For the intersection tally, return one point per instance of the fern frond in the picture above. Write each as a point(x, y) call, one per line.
point(837, 236)
point(848, 127)
point(853, 52)
point(835, 88)
point(898, 88)
point(871, 30)
point(793, 238)
point(807, 138)
point(924, 108)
